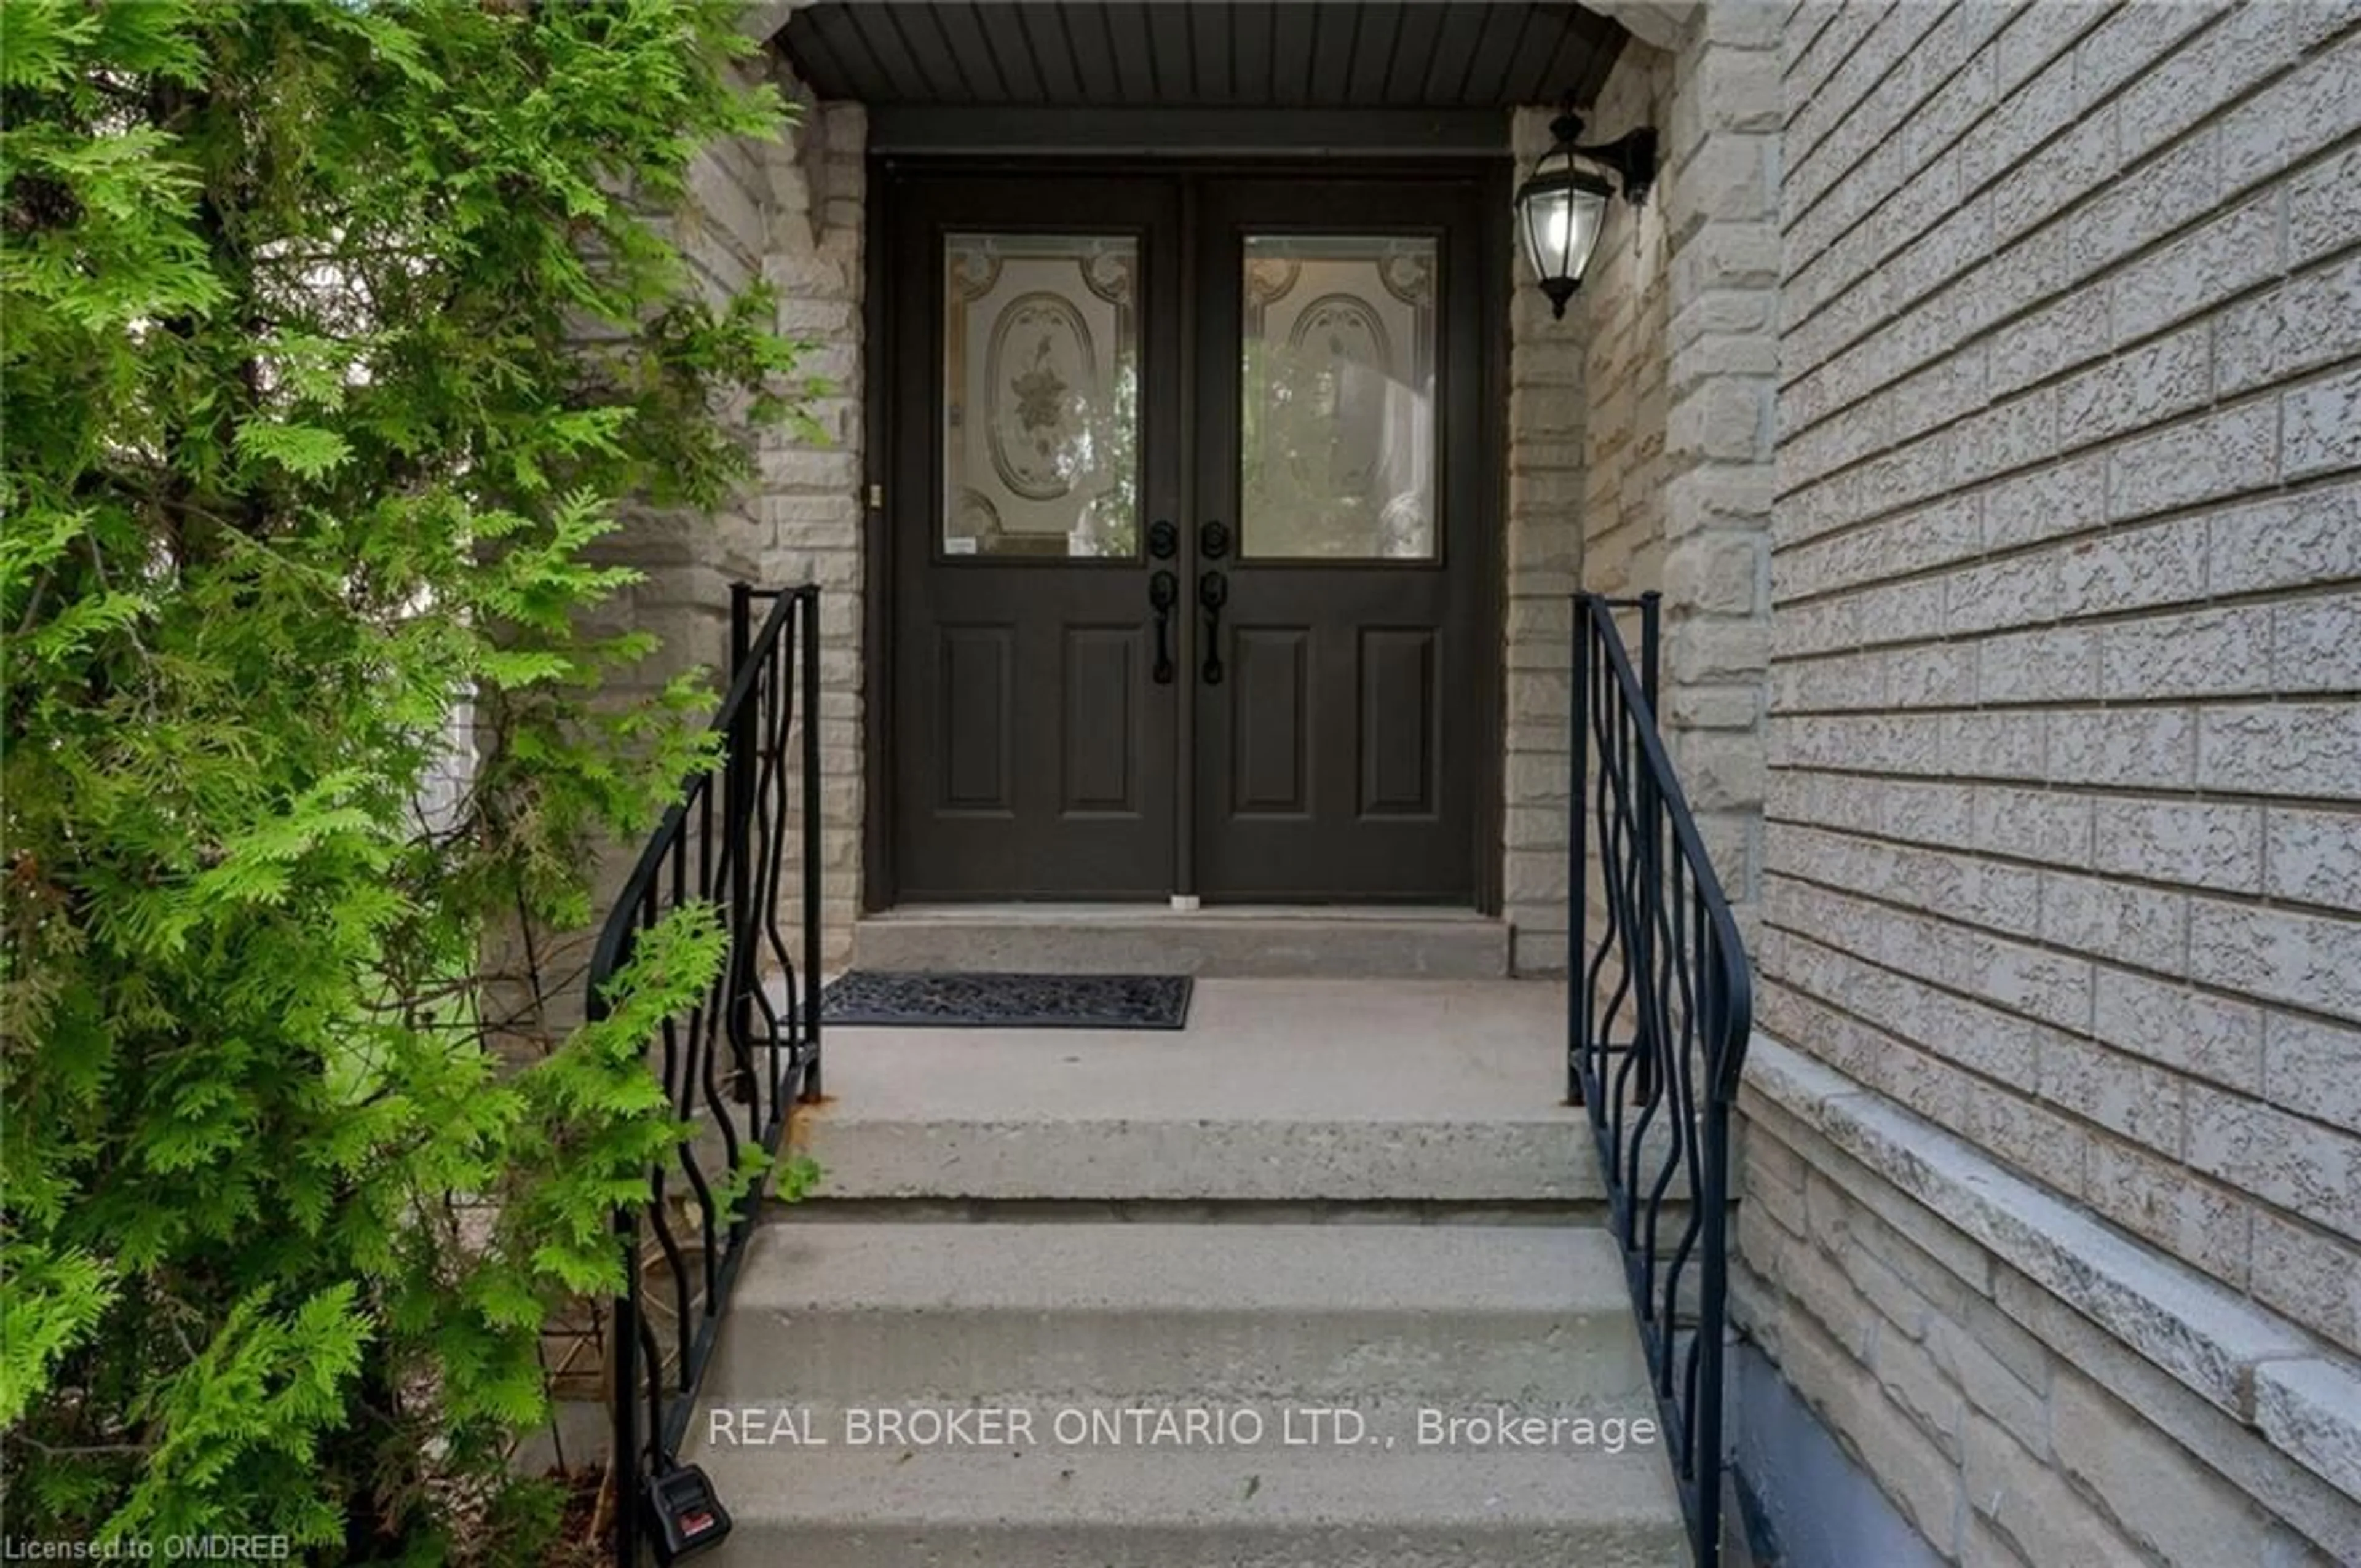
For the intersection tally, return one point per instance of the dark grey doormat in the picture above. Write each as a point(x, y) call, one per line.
point(926, 999)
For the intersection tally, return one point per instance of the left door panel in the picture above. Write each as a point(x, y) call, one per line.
point(1034, 365)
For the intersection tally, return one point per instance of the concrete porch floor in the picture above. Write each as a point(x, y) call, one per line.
point(1310, 1092)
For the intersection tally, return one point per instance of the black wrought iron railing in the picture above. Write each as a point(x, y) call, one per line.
point(1659, 1008)
point(733, 1066)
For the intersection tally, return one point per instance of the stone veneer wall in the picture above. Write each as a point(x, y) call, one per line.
point(791, 212)
point(1655, 475)
point(812, 509)
point(686, 559)
point(1625, 306)
point(2053, 1155)
point(1722, 149)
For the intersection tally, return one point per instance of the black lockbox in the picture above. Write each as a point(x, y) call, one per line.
point(686, 1515)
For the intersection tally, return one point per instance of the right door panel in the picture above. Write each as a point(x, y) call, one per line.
point(1338, 431)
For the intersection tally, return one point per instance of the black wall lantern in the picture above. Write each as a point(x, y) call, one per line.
point(1562, 206)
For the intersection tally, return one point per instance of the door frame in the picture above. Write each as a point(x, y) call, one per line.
point(1492, 172)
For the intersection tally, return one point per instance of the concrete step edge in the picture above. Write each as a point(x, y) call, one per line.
point(1151, 1266)
point(1115, 1158)
point(1265, 1485)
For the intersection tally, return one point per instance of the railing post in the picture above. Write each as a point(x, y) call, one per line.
point(737, 770)
point(808, 611)
point(1577, 879)
point(1650, 828)
point(1651, 604)
point(1713, 1289)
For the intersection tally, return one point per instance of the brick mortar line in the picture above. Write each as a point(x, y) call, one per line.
point(2309, 1344)
point(1794, 1123)
point(2163, 702)
point(2098, 17)
point(2245, 599)
point(2191, 791)
point(2339, 804)
point(1792, 62)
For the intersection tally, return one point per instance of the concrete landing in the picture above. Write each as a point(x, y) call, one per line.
point(1278, 1092)
point(1231, 942)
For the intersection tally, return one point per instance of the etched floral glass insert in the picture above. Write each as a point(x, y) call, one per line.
point(1040, 396)
point(1336, 416)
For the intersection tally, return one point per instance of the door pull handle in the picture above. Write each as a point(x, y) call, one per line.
point(1163, 593)
point(1213, 592)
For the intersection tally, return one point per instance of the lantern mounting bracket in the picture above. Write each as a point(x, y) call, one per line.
point(1632, 156)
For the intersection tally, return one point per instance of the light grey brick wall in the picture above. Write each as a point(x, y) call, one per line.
point(2068, 565)
point(2065, 736)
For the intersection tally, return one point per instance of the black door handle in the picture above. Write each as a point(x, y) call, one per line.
point(1163, 593)
point(1213, 592)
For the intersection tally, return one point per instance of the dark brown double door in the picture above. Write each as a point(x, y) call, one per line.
point(1185, 488)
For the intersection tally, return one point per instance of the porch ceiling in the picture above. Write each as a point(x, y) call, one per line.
point(1312, 54)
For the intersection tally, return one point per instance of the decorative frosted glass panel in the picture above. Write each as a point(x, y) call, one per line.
point(1040, 396)
point(1336, 450)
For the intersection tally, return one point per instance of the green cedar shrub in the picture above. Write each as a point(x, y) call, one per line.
point(332, 336)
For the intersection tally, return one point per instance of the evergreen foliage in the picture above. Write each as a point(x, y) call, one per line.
point(332, 339)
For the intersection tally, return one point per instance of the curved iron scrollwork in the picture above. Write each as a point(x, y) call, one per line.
point(1659, 1008)
point(733, 1067)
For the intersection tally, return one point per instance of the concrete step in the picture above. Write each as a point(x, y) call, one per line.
point(1278, 1092)
point(1265, 1507)
point(864, 1313)
point(1233, 942)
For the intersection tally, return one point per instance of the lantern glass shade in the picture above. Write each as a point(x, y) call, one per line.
point(1561, 209)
